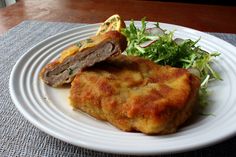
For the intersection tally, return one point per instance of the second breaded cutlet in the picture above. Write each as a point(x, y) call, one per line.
point(135, 94)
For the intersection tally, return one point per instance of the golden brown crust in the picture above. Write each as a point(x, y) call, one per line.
point(136, 94)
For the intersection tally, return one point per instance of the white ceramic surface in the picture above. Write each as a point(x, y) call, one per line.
point(48, 108)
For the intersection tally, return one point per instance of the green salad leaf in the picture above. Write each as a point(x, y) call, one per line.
point(163, 49)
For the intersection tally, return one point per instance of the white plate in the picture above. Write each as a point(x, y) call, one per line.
point(48, 108)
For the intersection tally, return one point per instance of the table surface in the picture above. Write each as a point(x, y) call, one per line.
point(210, 18)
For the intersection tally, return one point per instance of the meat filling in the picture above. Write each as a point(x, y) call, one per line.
point(77, 57)
point(65, 72)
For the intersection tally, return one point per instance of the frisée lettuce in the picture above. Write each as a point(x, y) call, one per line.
point(160, 46)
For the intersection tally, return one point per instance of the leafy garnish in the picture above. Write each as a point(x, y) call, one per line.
point(70, 71)
point(165, 50)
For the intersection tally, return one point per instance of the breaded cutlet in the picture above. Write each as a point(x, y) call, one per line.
point(135, 94)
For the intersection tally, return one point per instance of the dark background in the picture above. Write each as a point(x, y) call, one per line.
point(211, 2)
